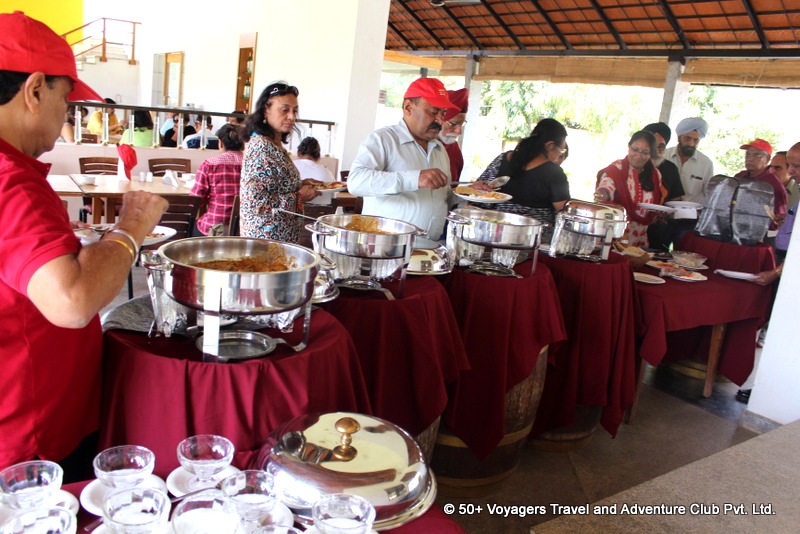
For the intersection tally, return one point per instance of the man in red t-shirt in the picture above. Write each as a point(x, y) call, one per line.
point(51, 287)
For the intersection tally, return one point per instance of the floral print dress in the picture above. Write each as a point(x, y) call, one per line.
point(269, 180)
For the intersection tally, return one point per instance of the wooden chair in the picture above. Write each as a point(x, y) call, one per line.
point(181, 215)
point(159, 166)
point(90, 138)
point(233, 223)
point(94, 166)
point(350, 204)
point(343, 175)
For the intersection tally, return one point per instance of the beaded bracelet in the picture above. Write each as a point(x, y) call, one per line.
point(127, 246)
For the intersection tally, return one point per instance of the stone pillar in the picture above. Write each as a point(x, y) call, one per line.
point(676, 93)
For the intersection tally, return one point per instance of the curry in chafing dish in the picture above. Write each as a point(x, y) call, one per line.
point(361, 223)
point(274, 260)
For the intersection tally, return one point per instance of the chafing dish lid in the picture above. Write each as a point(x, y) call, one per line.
point(351, 453)
point(595, 210)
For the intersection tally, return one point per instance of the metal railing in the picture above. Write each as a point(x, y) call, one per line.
point(90, 30)
point(162, 112)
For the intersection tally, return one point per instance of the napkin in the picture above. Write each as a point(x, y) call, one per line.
point(127, 156)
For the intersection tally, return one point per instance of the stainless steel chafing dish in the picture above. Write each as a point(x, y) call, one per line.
point(496, 228)
point(241, 293)
point(335, 237)
point(351, 453)
point(583, 227)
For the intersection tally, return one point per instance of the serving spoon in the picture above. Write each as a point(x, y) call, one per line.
point(497, 183)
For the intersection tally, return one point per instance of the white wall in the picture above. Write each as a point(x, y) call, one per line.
point(331, 50)
point(776, 394)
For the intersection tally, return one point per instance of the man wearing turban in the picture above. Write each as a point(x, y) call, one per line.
point(695, 167)
point(452, 128)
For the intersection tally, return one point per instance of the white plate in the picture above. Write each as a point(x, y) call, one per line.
point(648, 278)
point(102, 529)
point(690, 267)
point(95, 492)
point(692, 277)
point(738, 275)
point(658, 264)
point(165, 232)
point(656, 207)
point(485, 200)
point(315, 530)
point(178, 480)
point(684, 204)
point(59, 499)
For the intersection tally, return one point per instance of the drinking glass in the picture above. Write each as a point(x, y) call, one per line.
point(49, 520)
point(205, 455)
point(252, 494)
point(207, 512)
point(30, 484)
point(125, 466)
point(135, 511)
point(342, 513)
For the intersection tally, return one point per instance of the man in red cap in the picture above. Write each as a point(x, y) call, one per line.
point(51, 287)
point(756, 163)
point(452, 128)
point(403, 171)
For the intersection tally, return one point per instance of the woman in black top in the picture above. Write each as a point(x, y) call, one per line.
point(538, 185)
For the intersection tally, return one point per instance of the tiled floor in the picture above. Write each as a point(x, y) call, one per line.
point(674, 426)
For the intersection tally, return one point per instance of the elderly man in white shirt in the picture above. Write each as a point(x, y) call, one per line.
point(403, 171)
point(695, 167)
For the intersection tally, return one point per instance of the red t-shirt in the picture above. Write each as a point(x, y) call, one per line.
point(49, 376)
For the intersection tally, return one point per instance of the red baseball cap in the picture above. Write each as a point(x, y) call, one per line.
point(28, 46)
point(431, 90)
point(759, 144)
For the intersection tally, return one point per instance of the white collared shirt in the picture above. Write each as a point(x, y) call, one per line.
point(386, 173)
point(695, 173)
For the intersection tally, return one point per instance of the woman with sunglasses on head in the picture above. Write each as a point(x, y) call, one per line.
point(269, 178)
point(631, 181)
point(537, 183)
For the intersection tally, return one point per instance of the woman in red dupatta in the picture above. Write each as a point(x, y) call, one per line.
point(631, 181)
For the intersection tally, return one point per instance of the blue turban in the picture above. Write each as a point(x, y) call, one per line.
point(692, 123)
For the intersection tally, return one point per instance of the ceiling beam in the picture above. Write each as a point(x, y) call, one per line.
point(613, 31)
point(422, 23)
point(756, 25)
point(674, 23)
point(546, 16)
point(457, 20)
point(409, 59)
point(667, 53)
point(401, 36)
point(502, 24)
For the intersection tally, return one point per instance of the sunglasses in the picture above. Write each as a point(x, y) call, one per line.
point(282, 89)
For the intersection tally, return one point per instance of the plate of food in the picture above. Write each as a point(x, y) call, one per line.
point(658, 264)
point(331, 187)
point(656, 207)
point(159, 234)
point(686, 276)
point(648, 278)
point(738, 275)
point(476, 195)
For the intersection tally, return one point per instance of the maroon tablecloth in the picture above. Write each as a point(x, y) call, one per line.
point(728, 256)
point(156, 392)
point(505, 323)
point(409, 348)
point(434, 521)
point(596, 365)
point(672, 312)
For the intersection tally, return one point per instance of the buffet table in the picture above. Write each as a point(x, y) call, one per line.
point(157, 391)
point(434, 521)
point(596, 365)
point(504, 323)
point(677, 320)
point(410, 349)
point(729, 256)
